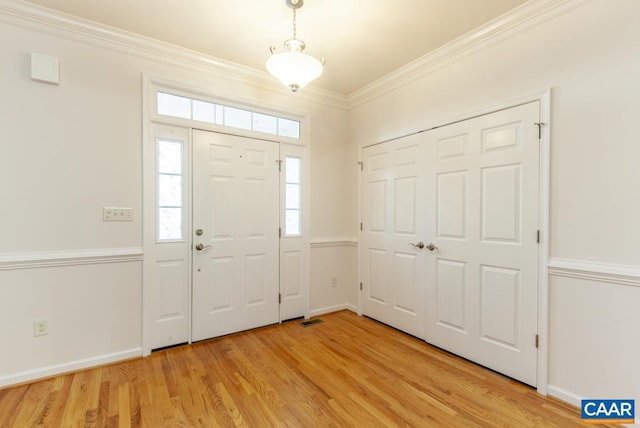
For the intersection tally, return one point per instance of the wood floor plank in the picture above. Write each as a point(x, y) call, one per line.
point(348, 371)
point(52, 414)
point(40, 393)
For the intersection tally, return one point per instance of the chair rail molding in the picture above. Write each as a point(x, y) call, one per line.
point(69, 258)
point(333, 242)
point(595, 271)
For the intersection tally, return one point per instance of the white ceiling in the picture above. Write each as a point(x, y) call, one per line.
point(361, 40)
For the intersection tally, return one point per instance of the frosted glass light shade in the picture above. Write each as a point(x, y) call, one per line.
point(294, 68)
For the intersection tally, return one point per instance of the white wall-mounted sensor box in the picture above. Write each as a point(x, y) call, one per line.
point(45, 68)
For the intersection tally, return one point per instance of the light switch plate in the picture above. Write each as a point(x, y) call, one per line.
point(117, 214)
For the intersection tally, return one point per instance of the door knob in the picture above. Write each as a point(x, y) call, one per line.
point(418, 245)
point(431, 247)
point(201, 247)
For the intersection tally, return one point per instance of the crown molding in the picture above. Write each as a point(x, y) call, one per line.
point(19, 12)
point(532, 12)
point(39, 18)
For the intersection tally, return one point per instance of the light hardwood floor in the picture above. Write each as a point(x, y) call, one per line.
point(347, 371)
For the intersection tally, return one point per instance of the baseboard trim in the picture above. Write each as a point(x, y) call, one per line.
point(564, 395)
point(352, 308)
point(69, 258)
point(72, 366)
point(593, 271)
point(334, 308)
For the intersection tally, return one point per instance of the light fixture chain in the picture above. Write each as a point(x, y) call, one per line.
point(294, 21)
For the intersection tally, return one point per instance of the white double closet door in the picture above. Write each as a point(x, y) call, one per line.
point(449, 248)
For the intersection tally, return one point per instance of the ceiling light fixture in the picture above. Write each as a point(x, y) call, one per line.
point(294, 68)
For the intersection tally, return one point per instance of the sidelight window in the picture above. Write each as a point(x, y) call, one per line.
point(293, 196)
point(170, 190)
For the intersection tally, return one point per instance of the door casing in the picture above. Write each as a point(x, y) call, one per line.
point(544, 97)
point(298, 147)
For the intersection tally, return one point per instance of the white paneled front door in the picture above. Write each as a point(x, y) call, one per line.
point(394, 214)
point(235, 234)
point(482, 286)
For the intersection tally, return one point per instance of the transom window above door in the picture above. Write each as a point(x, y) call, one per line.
point(218, 114)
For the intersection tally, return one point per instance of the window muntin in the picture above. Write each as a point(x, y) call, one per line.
point(233, 117)
point(170, 190)
point(293, 196)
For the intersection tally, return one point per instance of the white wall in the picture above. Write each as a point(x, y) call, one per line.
point(594, 340)
point(334, 175)
point(67, 151)
point(587, 52)
point(93, 311)
point(333, 277)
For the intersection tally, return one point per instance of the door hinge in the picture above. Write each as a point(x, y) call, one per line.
point(279, 298)
point(279, 165)
point(360, 286)
point(279, 232)
point(538, 236)
point(537, 340)
point(360, 226)
point(361, 166)
point(539, 125)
